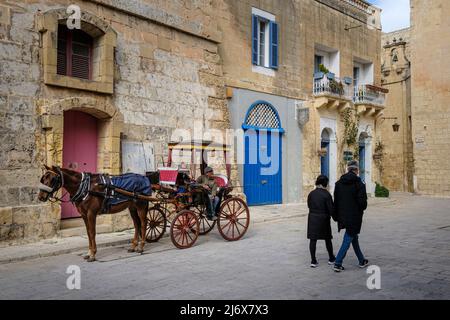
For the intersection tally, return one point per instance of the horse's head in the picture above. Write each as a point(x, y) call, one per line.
point(51, 181)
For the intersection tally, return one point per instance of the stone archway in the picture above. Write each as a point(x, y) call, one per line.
point(329, 126)
point(110, 124)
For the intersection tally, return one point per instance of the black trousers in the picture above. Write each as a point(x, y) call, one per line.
point(328, 244)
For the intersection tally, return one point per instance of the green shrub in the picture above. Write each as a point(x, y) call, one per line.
point(381, 192)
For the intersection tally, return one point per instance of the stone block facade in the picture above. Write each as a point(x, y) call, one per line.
point(162, 67)
point(156, 69)
point(430, 38)
point(396, 164)
point(304, 27)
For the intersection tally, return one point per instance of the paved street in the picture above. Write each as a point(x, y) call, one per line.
point(409, 239)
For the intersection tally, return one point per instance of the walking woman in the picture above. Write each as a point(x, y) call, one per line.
point(321, 209)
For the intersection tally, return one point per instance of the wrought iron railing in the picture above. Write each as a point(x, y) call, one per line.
point(368, 94)
point(334, 86)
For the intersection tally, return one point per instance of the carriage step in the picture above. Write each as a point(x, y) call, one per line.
point(81, 231)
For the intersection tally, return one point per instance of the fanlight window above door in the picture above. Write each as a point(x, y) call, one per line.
point(262, 115)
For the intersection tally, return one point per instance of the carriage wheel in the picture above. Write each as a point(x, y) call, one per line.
point(234, 219)
point(184, 229)
point(205, 224)
point(156, 224)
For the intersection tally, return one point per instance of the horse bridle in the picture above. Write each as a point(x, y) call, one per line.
point(56, 183)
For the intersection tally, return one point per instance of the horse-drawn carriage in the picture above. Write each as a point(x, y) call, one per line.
point(176, 200)
point(185, 210)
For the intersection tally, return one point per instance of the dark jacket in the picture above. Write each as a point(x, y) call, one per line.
point(320, 206)
point(350, 201)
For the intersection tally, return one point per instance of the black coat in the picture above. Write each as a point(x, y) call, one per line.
point(350, 201)
point(320, 206)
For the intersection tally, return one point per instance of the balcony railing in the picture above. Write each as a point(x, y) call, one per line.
point(368, 94)
point(332, 86)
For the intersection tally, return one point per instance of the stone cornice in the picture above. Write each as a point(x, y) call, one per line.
point(151, 12)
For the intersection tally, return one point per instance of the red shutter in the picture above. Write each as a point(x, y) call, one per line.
point(74, 53)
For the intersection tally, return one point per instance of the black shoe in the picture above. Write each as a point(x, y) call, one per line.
point(314, 264)
point(364, 263)
point(331, 261)
point(338, 268)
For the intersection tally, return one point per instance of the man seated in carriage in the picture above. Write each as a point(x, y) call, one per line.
point(208, 182)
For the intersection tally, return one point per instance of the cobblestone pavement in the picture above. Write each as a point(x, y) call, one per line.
point(408, 238)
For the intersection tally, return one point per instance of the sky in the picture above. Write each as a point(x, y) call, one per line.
point(395, 14)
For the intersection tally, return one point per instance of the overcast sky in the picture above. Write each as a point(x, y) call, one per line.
point(395, 14)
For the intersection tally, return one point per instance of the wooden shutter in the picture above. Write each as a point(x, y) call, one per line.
point(81, 54)
point(273, 45)
point(254, 39)
point(74, 53)
point(61, 64)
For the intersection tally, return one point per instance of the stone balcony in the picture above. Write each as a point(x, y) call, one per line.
point(331, 92)
point(369, 99)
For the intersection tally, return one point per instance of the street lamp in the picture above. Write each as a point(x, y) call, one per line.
point(395, 126)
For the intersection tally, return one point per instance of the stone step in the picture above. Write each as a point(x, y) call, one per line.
point(72, 223)
point(81, 231)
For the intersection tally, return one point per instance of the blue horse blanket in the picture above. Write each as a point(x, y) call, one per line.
point(131, 182)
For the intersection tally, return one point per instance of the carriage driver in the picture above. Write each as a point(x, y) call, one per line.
point(209, 184)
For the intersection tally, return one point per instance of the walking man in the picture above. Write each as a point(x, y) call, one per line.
point(350, 201)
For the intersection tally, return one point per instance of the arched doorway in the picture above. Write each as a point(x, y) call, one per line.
point(362, 156)
point(80, 149)
point(263, 155)
point(325, 156)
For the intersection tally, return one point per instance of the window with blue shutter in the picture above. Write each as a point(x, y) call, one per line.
point(273, 50)
point(254, 39)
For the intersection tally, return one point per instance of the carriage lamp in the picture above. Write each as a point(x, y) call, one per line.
point(395, 126)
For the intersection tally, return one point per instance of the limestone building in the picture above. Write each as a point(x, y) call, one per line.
point(300, 79)
point(396, 162)
point(430, 92)
point(131, 74)
point(303, 75)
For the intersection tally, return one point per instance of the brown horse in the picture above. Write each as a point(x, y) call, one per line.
point(91, 204)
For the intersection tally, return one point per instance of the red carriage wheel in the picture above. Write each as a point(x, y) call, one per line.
point(184, 229)
point(234, 219)
point(205, 224)
point(156, 224)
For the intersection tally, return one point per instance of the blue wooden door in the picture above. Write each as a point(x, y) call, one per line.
point(262, 180)
point(325, 160)
point(362, 162)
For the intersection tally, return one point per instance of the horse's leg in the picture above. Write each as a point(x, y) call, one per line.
point(142, 211)
point(86, 224)
point(92, 219)
point(135, 218)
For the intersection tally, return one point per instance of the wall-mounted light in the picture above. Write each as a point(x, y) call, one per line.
point(395, 126)
point(352, 27)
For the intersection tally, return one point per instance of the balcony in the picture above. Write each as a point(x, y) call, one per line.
point(369, 99)
point(330, 91)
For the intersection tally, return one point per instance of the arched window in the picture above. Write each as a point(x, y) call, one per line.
point(262, 115)
point(74, 53)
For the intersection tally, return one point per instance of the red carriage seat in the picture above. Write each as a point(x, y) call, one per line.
point(221, 180)
point(168, 175)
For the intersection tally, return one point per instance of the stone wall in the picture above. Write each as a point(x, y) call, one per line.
point(430, 46)
point(302, 26)
point(165, 77)
point(397, 162)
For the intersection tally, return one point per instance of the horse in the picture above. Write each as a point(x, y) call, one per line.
point(88, 198)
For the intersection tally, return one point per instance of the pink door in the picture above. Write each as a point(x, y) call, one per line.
point(79, 150)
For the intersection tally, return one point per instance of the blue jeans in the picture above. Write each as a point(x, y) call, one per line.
point(353, 240)
point(212, 205)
